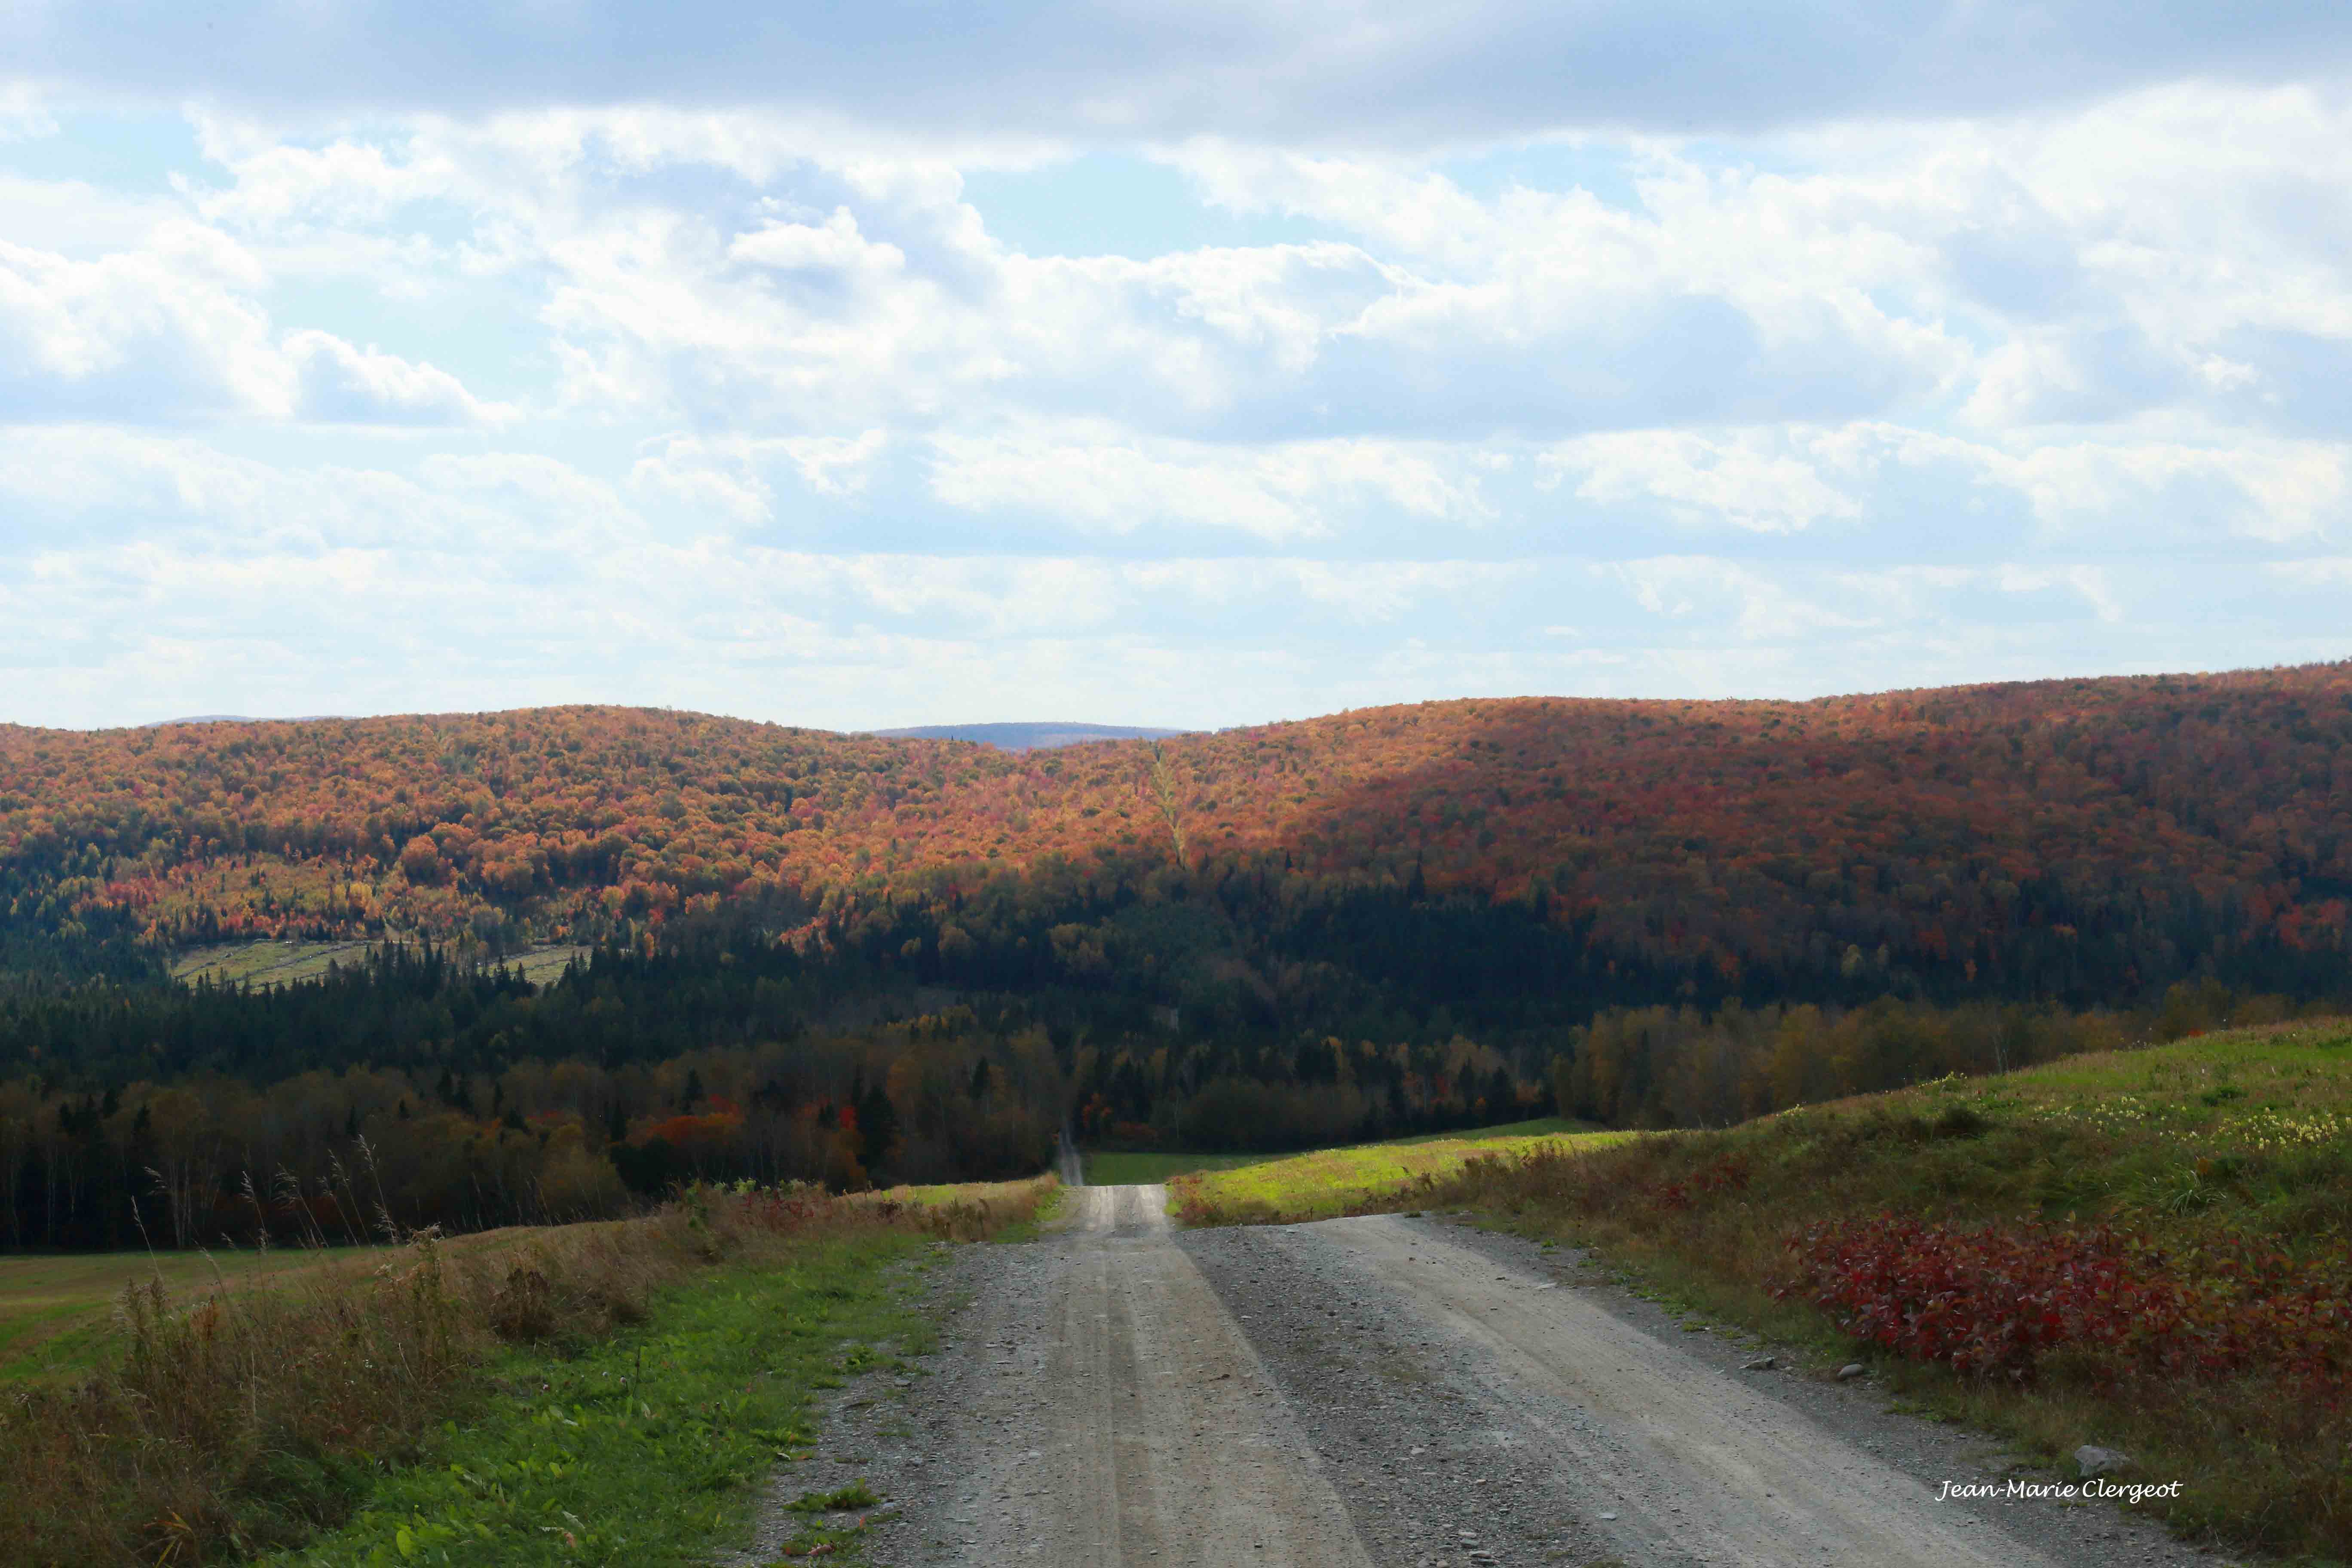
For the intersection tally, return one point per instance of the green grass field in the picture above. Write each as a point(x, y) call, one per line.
point(1107, 1169)
point(1541, 1127)
point(1332, 1181)
point(2265, 1093)
point(283, 963)
point(57, 1309)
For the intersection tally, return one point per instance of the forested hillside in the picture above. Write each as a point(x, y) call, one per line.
point(1646, 913)
point(2078, 837)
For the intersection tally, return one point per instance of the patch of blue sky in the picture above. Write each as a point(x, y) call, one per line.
point(1763, 155)
point(1120, 204)
point(1607, 171)
point(1971, 324)
point(480, 331)
point(437, 219)
point(132, 153)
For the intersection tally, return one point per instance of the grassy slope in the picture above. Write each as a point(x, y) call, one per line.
point(1538, 1127)
point(2251, 1128)
point(2246, 1134)
point(1107, 1169)
point(1342, 1181)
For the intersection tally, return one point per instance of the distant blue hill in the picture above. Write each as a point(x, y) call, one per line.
point(1031, 737)
point(235, 719)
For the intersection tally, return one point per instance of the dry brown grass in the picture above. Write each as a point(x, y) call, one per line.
point(239, 1419)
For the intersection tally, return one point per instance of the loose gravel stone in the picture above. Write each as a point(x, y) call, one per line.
point(1432, 1445)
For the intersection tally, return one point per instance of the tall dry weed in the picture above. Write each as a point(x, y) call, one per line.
point(242, 1419)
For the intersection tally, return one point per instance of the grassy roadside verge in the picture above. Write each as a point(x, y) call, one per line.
point(648, 1449)
point(232, 1422)
point(2143, 1250)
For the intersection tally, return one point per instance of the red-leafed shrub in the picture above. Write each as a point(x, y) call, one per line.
point(1992, 1300)
point(691, 1131)
point(1728, 1174)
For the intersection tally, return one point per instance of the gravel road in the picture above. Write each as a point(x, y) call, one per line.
point(1390, 1390)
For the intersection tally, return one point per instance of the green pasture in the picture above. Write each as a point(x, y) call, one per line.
point(1107, 1168)
point(2266, 1092)
point(283, 963)
point(57, 1309)
point(1541, 1127)
point(1333, 1182)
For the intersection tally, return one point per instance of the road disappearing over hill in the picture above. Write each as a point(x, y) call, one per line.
point(1402, 1390)
point(1168, 1444)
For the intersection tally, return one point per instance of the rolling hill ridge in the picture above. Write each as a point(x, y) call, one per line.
point(2077, 837)
point(786, 954)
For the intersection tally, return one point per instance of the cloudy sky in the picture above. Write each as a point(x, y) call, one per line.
point(857, 365)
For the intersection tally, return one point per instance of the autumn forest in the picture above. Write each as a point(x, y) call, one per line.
point(793, 953)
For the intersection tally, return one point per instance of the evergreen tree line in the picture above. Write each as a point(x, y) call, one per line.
point(1246, 944)
point(948, 1029)
point(1685, 1066)
point(359, 1150)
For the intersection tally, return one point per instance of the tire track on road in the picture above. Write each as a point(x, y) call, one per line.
point(1169, 1446)
point(1661, 1456)
point(1121, 1397)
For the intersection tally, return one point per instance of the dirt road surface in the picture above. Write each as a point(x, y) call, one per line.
point(1393, 1391)
point(1168, 1443)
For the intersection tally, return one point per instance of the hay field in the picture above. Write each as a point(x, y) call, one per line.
point(1333, 1182)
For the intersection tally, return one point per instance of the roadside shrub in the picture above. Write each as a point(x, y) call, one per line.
point(1960, 1121)
point(1995, 1298)
point(523, 1306)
